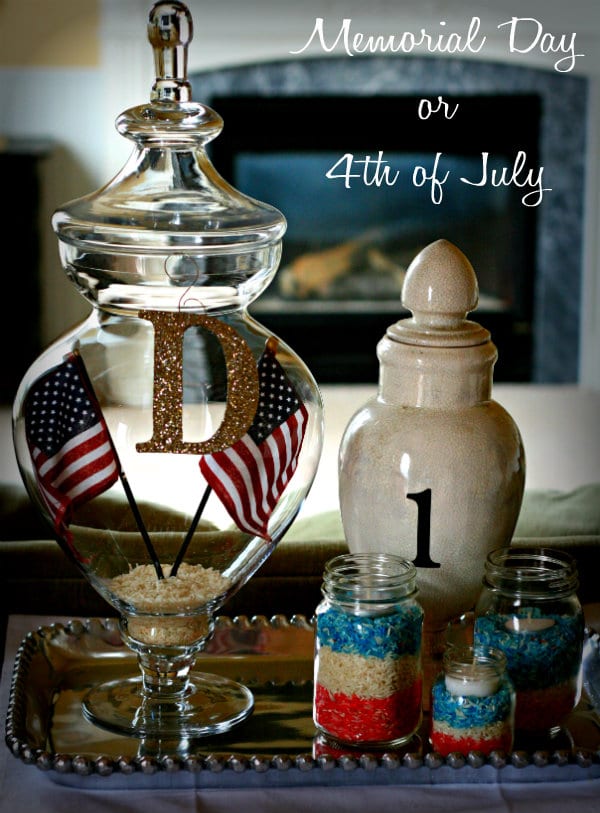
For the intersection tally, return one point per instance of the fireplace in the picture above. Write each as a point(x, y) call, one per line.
point(350, 239)
point(290, 125)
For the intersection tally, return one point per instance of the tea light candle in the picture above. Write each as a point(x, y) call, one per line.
point(518, 624)
point(476, 680)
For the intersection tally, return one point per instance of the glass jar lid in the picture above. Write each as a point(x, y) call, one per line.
point(169, 198)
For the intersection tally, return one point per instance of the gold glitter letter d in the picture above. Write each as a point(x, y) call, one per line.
point(167, 406)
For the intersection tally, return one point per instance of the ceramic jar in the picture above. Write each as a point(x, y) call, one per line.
point(432, 468)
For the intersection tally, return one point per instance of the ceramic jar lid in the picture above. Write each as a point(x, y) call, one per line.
point(440, 289)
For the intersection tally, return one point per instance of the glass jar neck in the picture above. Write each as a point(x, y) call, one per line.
point(537, 573)
point(474, 662)
point(473, 671)
point(369, 579)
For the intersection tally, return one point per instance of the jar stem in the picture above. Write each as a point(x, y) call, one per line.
point(165, 678)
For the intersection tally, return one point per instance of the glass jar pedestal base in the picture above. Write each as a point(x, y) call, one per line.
point(168, 699)
point(209, 704)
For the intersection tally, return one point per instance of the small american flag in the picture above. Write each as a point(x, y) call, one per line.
point(68, 439)
point(250, 476)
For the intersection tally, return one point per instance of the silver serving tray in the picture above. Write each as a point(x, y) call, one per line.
point(276, 746)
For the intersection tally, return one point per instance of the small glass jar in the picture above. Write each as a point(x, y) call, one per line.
point(472, 702)
point(368, 674)
point(529, 609)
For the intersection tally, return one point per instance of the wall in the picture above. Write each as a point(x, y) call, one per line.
point(93, 61)
point(50, 79)
point(45, 33)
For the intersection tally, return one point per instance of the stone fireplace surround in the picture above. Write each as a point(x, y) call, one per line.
point(560, 217)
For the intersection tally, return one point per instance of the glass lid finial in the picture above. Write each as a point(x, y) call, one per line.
point(170, 30)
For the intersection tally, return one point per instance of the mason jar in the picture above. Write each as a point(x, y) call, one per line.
point(472, 702)
point(529, 609)
point(368, 674)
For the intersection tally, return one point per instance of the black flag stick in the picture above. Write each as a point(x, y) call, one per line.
point(125, 483)
point(191, 531)
point(138, 519)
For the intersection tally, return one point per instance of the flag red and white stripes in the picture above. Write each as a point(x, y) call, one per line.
point(69, 442)
point(250, 476)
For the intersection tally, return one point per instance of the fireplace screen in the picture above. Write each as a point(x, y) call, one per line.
point(360, 204)
point(351, 247)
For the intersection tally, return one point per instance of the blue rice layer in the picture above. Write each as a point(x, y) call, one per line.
point(535, 659)
point(380, 636)
point(470, 712)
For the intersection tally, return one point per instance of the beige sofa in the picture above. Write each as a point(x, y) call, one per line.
point(561, 508)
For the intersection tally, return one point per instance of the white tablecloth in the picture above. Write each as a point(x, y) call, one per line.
point(24, 788)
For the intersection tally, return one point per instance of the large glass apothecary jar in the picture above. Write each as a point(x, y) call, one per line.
point(169, 439)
